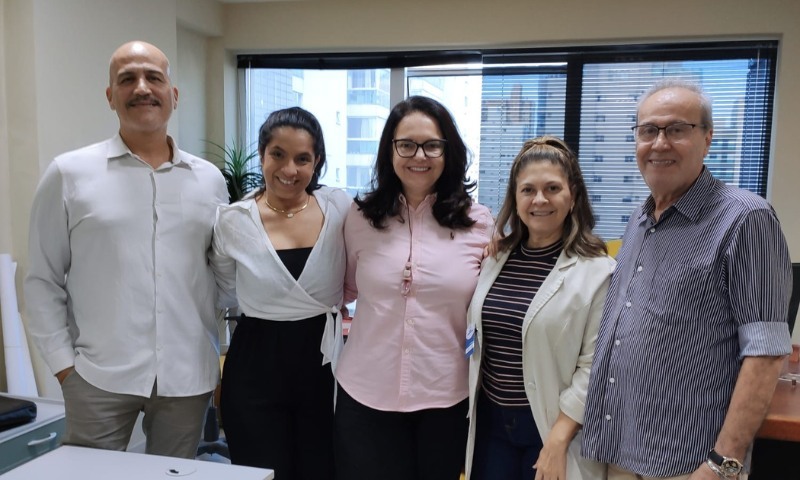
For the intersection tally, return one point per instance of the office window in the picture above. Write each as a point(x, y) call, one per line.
point(513, 107)
point(351, 105)
point(500, 98)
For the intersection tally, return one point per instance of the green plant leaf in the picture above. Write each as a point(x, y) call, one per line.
point(234, 160)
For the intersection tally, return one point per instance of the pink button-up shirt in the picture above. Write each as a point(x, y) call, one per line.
point(406, 353)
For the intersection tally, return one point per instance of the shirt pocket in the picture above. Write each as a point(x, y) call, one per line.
point(678, 292)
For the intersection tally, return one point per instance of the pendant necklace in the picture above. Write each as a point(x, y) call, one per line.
point(286, 212)
point(408, 277)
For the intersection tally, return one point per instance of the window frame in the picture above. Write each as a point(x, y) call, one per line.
point(570, 60)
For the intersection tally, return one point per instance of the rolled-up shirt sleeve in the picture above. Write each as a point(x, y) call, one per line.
point(760, 279)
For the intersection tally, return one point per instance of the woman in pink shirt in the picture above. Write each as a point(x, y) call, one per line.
point(414, 244)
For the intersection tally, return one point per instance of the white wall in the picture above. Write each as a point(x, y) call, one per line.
point(190, 76)
point(5, 174)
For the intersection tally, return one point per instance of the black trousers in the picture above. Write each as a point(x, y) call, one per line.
point(277, 399)
point(423, 445)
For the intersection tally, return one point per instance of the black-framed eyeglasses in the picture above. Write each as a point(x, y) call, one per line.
point(408, 148)
point(674, 132)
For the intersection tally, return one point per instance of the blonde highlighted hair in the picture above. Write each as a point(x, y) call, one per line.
point(578, 237)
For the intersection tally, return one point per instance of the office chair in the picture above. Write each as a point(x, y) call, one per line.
point(212, 443)
point(794, 300)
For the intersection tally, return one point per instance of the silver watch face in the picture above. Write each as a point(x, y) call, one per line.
point(731, 466)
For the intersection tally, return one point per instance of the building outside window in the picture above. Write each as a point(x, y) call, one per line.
point(500, 101)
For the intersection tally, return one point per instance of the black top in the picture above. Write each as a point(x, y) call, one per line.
point(294, 259)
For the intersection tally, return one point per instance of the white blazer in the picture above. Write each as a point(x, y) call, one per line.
point(558, 339)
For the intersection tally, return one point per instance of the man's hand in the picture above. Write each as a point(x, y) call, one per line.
point(60, 376)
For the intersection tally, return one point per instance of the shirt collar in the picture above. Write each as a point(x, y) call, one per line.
point(690, 205)
point(429, 199)
point(117, 148)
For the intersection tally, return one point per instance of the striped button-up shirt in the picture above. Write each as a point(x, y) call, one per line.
point(693, 293)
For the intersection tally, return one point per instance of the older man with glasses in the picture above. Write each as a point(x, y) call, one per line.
point(694, 327)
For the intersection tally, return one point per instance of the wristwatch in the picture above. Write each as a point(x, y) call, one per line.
point(728, 467)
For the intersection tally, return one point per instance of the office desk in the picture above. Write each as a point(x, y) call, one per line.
point(78, 463)
point(777, 442)
point(783, 419)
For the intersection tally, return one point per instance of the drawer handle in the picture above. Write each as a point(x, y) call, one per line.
point(40, 441)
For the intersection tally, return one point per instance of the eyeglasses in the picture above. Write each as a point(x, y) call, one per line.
point(408, 148)
point(675, 132)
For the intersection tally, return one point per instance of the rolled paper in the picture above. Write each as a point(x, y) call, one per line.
point(19, 369)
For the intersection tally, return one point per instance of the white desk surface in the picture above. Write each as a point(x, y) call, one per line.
point(78, 463)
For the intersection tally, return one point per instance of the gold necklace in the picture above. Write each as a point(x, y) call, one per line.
point(286, 212)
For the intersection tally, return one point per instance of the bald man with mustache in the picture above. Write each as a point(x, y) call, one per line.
point(119, 294)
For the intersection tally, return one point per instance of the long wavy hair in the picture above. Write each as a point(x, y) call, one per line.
point(577, 235)
point(299, 119)
point(451, 208)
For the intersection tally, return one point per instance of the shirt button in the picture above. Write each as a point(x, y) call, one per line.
point(406, 350)
point(611, 380)
point(617, 342)
point(639, 268)
point(628, 304)
point(410, 321)
point(653, 230)
point(608, 417)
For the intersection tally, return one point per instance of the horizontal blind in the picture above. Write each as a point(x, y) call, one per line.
point(500, 98)
point(739, 89)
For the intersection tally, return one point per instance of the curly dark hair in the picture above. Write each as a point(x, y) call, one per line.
point(578, 237)
point(451, 208)
point(300, 119)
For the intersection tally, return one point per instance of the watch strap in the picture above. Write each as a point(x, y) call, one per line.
point(725, 467)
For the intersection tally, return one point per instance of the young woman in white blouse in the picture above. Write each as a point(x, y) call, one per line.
point(280, 255)
point(535, 316)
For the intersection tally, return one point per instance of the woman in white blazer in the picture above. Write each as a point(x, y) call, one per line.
point(533, 322)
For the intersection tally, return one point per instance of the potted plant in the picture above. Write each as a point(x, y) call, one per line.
point(234, 160)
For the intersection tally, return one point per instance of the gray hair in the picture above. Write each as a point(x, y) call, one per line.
point(706, 116)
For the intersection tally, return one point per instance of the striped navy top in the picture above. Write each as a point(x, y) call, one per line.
point(502, 317)
point(691, 295)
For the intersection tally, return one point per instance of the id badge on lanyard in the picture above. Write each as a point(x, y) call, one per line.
point(470, 343)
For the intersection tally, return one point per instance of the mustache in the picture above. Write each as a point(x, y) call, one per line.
point(143, 99)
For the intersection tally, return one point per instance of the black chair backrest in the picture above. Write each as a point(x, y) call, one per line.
point(795, 298)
